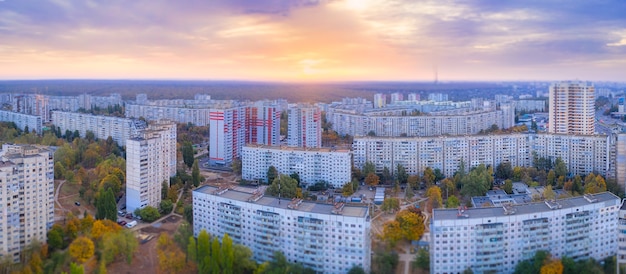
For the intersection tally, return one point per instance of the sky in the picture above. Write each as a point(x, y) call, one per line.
point(314, 40)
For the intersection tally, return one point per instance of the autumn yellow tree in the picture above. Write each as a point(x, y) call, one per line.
point(392, 232)
point(552, 267)
point(434, 197)
point(82, 249)
point(411, 224)
point(103, 227)
point(171, 258)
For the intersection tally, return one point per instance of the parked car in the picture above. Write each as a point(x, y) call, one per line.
point(131, 224)
point(121, 213)
point(77, 203)
point(122, 223)
point(129, 216)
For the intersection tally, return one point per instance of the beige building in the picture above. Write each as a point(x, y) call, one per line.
point(571, 108)
point(27, 197)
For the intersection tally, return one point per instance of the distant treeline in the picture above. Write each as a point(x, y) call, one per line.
point(241, 90)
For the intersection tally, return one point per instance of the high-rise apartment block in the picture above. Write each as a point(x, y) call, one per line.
point(396, 97)
point(380, 100)
point(263, 123)
point(438, 97)
point(571, 108)
point(327, 238)
point(227, 133)
point(496, 239)
point(413, 97)
point(582, 154)
point(22, 121)
point(304, 126)
point(27, 197)
point(311, 164)
point(150, 160)
point(120, 129)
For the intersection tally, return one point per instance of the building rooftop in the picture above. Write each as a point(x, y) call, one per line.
point(486, 212)
point(309, 149)
point(304, 206)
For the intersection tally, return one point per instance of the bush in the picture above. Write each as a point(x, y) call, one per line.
point(149, 214)
point(166, 206)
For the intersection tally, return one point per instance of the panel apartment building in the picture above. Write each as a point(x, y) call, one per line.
point(304, 126)
point(311, 164)
point(27, 197)
point(327, 238)
point(496, 239)
point(120, 129)
point(581, 154)
point(571, 108)
point(150, 160)
point(33, 122)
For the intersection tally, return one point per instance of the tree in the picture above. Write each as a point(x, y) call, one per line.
point(551, 178)
point(517, 173)
point(295, 176)
point(76, 268)
point(283, 186)
point(478, 181)
point(508, 186)
point(413, 180)
point(548, 193)
point(272, 174)
point(434, 197)
point(594, 184)
point(101, 228)
point(390, 205)
point(106, 207)
point(412, 224)
point(386, 176)
point(422, 259)
point(577, 185)
point(149, 214)
point(429, 177)
point(166, 206)
point(372, 179)
point(55, 237)
point(171, 258)
point(356, 270)
point(401, 174)
point(122, 243)
point(438, 175)
point(187, 150)
point(82, 249)
point(227, 255)
point(195, 174)
point(244, 264)
point(392, 233)
point(368, 168)
point(504, 170)
point(386, 262)
point(560, 169)
point(164, 188)
point(188, 214)
point(111, 181)
point(347, 189)
point(552, 267)
point(452, 202)
point(236, 166)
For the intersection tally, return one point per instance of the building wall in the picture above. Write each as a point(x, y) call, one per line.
point(27, 195)
point(461, 123)
point(312, 166)
point(226, 134)
point(581, 154)
point(572, 108)
point(304, 126)
point(22, 121)
point(325, 242)
point(120, 129)
point(487, 239)
point(150, 160)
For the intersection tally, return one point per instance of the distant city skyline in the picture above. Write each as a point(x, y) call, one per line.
point(313, 40)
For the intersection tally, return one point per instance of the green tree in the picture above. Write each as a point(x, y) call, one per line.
point(422, 259)
point(76, 268)
point(548, 193)
point(508, 186)
point(551, 178)
point(452, 202)
point(347, 189)
point(560, 169)
point(478, 181)
point(228, 255)
point(401, 174)
point(216, 257)
point(244, 264)
point(368, 168)
point(188, 213)
point(577, 185)
point(149, 214)
point(356, 270)
point(187, 150)
point(106, 207)
point(237, 166)
point(504, 170)
point(195, 174)
point(55, 237)
point(164, 188)
point(166, 206)
point(284, 186)
point(386, 176)
point(390, 204)
point(295, 176)
point(272, 174)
